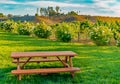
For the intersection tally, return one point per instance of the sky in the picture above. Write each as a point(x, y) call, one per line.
point(86, 7)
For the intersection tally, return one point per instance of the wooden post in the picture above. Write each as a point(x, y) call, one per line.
point(78, 36)
point(70, 59)
point(66, 58)
point(71, 65)
point(18, 68)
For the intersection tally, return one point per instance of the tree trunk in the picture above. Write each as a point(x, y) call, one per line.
point(78, 36)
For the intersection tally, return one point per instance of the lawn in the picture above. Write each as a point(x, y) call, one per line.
point(99, 65)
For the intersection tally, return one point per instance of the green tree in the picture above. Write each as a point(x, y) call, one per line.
point(51, 11)
point(37, 11)
point(57, 8)
point(1, 15)
point(41, 11)
point(72, 13)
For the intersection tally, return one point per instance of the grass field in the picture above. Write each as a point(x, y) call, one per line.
point(99, 65)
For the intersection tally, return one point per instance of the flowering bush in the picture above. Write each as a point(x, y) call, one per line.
point(7, 25)
point(64, 32)
point(24, 28)
point(101, 35)
point(42, 30)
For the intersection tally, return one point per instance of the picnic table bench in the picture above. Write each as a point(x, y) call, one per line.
point(49, 56)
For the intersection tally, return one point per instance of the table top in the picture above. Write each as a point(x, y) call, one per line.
point(42, 54)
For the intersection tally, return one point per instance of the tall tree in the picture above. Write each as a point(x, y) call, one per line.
point(41, 11)
point(51, 11)
point(37, 11)
point(57, 8)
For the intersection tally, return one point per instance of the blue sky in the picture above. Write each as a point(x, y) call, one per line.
point(87, 7)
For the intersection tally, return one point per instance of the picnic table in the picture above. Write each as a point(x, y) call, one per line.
point(22, 58)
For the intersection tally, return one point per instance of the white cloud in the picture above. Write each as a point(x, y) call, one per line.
point(53, 4)
point(8, 2)
point(98, 7)
point(29, 9)
point(110, 7)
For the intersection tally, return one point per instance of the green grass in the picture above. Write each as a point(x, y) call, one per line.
point(99, 65)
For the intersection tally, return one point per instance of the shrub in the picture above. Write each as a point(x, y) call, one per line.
point(23, 31)
point(64, 32)
point(63, 36)
point(101, 35)
point(42, 30)
point(117, 38)
point(7, 26)
point(24, 28)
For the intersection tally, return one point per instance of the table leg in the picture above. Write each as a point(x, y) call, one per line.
point(70, 60)
point(18, 68)
point(71, 65)
point(66, 58)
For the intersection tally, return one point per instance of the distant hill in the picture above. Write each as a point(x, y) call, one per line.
point(23, 18)
point(62, 18)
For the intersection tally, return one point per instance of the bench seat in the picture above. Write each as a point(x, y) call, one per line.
point(46, 70)
point(41, 60)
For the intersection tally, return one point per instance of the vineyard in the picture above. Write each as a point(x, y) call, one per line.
point(100, 32)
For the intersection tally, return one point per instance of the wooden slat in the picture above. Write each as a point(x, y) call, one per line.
point(42, 54)
point(49, 70)
point(41, 60)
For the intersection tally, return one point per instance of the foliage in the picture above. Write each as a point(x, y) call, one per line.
point(7, 25)
point(100, 32)
point(117, 38)
point(63, 36)
point(25, 28)
point(42, 30)
point(2, 15)
point(65, 32)
point(36, 14)
point(101, 35)
point(72, 13)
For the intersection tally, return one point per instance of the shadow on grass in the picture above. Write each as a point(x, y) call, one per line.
point(54, 78)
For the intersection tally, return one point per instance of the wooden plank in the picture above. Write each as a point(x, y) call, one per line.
point(36, 60)
point(47, 70)
point(42, 54)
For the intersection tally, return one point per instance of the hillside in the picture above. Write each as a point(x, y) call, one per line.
point(63, 18)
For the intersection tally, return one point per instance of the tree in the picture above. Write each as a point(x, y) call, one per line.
point(1, 15)
point(44, 11)
point(36, 14)
point(51, 11)
point(72, 13)
point(37, 11)
point(41, 10)
point(9, 15)
point(57, 9)
point(83, 27)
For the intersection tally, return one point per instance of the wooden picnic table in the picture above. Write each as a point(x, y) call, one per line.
point(48, 56)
